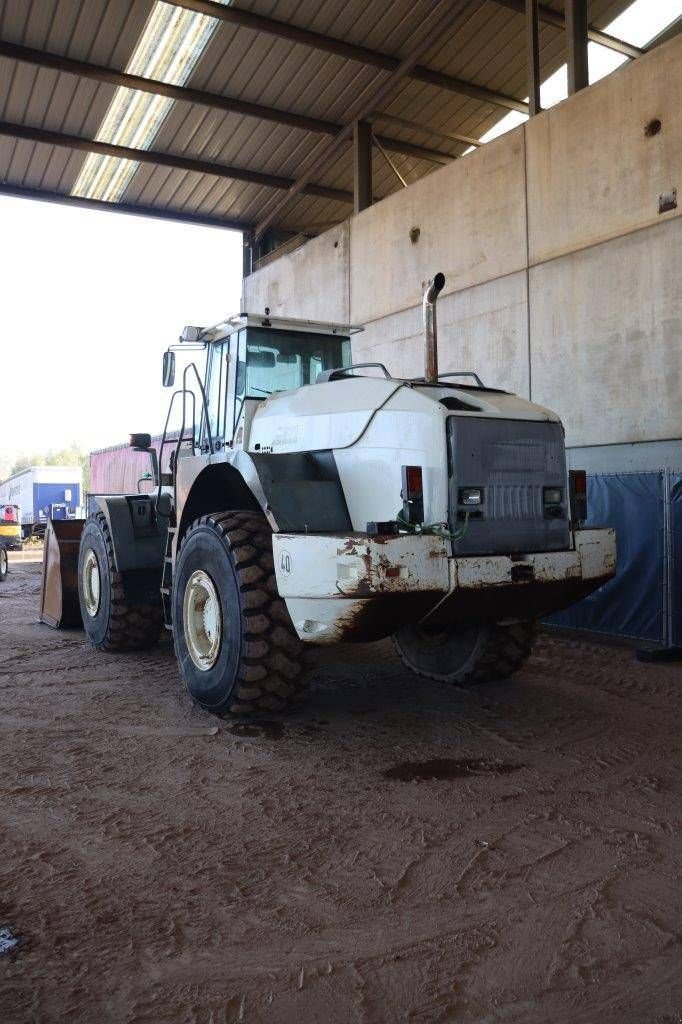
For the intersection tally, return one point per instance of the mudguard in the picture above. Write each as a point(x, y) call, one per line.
point(138, 533)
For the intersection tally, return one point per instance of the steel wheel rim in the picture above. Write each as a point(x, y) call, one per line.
point(202, 620)
point(4, 561)
point(92, 584)
point(432, 637)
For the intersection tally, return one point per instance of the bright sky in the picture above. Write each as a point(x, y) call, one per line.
point(90, 301)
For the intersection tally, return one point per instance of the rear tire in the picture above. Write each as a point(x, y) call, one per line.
point(464, 654)
point(235, 643)
point(110, 623)
point(3, 563)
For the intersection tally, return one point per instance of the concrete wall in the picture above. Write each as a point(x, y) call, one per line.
point(563, 280)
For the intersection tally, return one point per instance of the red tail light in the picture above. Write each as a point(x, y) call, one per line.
point(413, 495)
point(413, 482)
point(577, 488)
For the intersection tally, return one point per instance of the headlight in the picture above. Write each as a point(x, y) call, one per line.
point(552, 495)
point(471, 496)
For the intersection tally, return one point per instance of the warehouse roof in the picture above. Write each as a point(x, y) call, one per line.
point(238, 106)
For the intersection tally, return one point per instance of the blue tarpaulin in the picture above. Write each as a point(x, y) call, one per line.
point(676, 560)
point(644, 600)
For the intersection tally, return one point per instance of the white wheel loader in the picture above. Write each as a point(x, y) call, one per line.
point(312, 501)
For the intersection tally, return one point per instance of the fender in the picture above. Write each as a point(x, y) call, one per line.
point(138, 535)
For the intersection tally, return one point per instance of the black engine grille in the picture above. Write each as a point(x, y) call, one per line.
point(513, 461)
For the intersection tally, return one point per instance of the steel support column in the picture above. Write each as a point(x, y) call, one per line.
point(362, 165)
point(576, 39)
point(533, 47)
point(247, 253)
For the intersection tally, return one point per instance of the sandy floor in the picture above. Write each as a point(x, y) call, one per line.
point(162, 866)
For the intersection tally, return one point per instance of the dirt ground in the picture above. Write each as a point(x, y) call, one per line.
point(396, 851)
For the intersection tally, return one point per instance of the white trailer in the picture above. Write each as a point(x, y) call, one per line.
point(44, 493)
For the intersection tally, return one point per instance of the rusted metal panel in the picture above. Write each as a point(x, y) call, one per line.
point(356, 565)
point(352, 587)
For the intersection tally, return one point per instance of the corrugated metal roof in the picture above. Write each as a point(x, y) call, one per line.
point(487, 47)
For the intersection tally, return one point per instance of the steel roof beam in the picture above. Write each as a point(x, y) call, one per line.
point(426, 129)
point(182, 163)
point(160, 213)
point(431, 29)
point(595, 35)
point(100, 73)
point(42, 58)
point(362, 54)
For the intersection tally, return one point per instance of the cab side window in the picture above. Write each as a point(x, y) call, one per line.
point(216, 390)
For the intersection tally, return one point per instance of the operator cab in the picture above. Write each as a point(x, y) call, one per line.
point(249, 358)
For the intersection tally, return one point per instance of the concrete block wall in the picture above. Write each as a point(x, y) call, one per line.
point(563, 279)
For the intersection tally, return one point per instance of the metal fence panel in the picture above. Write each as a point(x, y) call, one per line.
point(676, 559)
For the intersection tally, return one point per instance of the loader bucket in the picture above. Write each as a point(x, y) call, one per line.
point(59, 606)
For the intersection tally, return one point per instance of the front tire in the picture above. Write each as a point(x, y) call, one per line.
point(236, 646)
point(110, 622)
point(3, 563)
point(463, 654)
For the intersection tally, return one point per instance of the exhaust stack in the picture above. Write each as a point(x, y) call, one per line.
point(432, 292)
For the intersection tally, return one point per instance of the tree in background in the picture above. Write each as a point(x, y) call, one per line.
point(71, 456)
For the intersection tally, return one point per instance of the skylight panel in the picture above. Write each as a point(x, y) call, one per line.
point(168, 50)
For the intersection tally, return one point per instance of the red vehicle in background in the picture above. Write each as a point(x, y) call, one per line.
point(10, 527)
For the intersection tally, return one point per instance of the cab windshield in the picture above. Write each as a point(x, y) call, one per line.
point(272, 360)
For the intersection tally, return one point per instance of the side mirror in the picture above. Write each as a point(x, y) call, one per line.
point(168, 369)
point(143, 443)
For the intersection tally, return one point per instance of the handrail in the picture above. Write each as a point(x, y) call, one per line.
point(184, 391)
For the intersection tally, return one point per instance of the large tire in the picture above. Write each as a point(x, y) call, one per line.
point(236, 646)
point(110, 623)
point(465, 654)
point(3, 563)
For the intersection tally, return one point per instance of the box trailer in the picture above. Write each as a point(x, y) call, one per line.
point(120, 469)
point(44, 493)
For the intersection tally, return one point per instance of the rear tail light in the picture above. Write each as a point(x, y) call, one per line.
point(413, 495)
point(577, 487)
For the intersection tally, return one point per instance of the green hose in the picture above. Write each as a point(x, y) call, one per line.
point(434, 529)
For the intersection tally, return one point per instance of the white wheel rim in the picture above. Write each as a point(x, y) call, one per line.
point(92, 587)
point(202, 620)
point(3, 561)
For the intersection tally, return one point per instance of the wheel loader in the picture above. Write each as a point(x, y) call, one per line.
point(307, 500)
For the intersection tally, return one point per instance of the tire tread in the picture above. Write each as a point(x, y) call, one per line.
point(274, 662)
point(131, 627)
point(505, 650)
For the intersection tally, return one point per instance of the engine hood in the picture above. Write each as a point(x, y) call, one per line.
point(335, 415)
point(319, 416)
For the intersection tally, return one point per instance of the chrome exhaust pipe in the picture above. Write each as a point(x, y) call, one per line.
point(432, 292)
